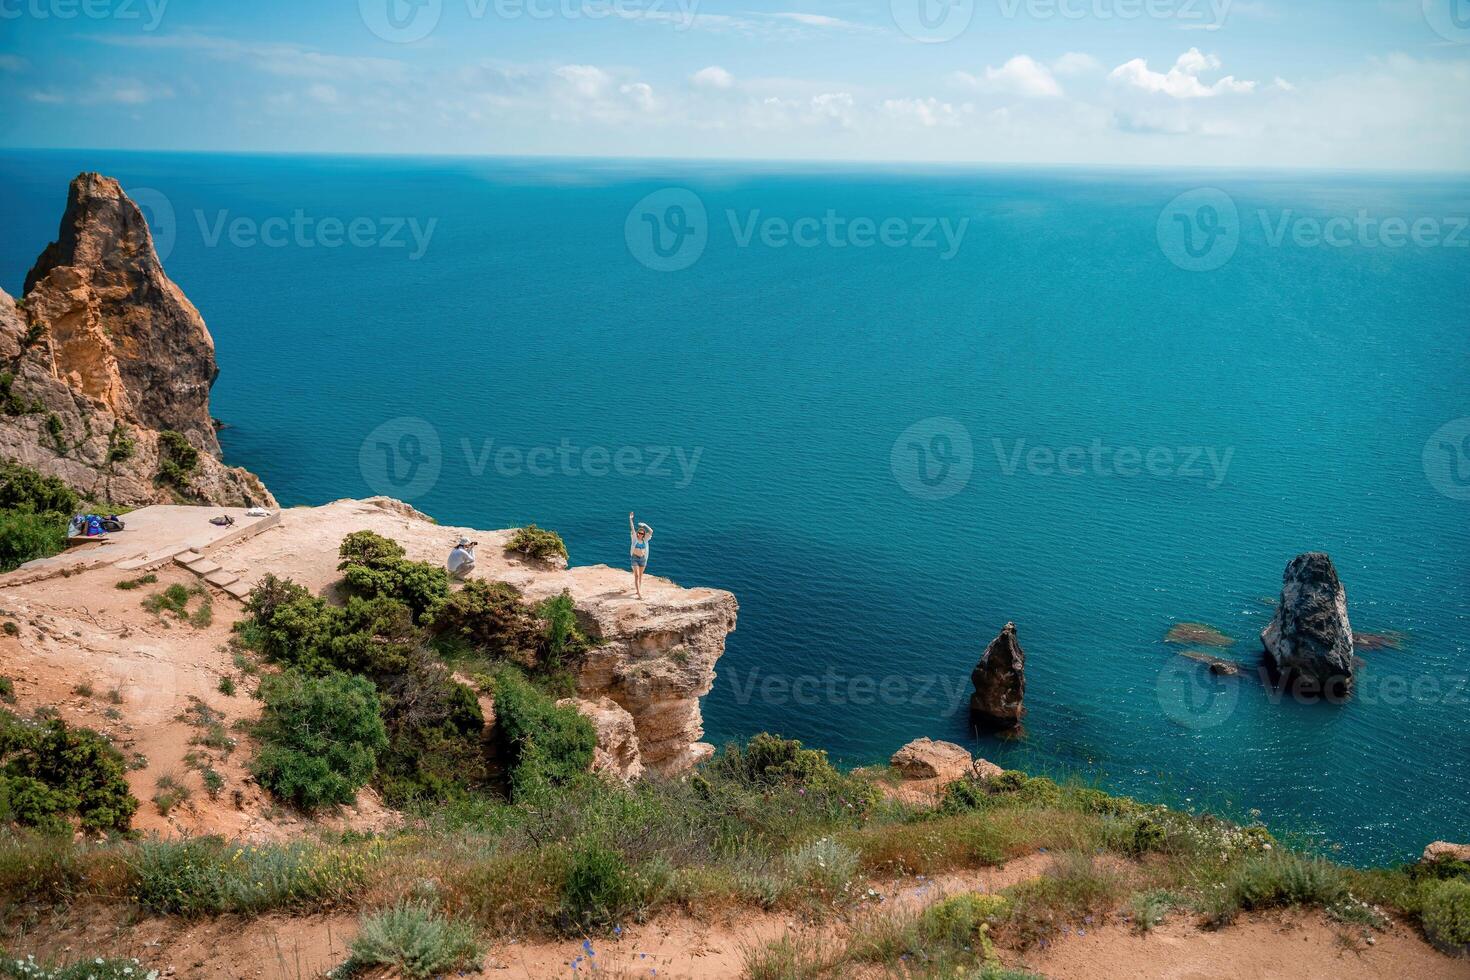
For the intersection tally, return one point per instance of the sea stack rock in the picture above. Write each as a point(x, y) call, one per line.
point(105, 359)
point(1000, 684)
point(1309, 642)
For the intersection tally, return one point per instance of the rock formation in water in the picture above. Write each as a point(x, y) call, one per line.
point(105, 366)
point(1309, 642)
point(1000, 684)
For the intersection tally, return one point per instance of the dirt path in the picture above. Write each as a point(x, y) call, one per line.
point(1297, 945)
point(679, 947)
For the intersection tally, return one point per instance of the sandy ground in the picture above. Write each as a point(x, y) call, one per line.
point(80, 633)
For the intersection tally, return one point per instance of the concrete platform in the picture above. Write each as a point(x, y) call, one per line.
point(153, 537)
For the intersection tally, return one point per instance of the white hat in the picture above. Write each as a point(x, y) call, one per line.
point(462, 543)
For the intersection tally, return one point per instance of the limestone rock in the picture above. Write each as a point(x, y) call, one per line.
point(1309, 642)
point(617, 739)
point(1000, 684)
point(924, 758)
point(657, 659)
point(1442, 850)
point(105, 353)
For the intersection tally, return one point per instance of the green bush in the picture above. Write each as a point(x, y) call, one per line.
point(824, 866)
point(600, 890)
point(1276, 879)
point(210, 876)
point(51, 773)
point(414, 940)
point(1446, 911)
point(120, 445)
point(435, 736)
point(176, 458)
point(11, 403)
point(375, 637)
point(374, 567)
point(320, 737)
point(22, 488)
point(7, 690)
point(491, 617)
point(536, 542)
point(770, 760)
point(26, 535)
point(547, 745)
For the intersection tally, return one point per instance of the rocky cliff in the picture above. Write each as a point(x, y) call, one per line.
point(654, 658)
point(104, 355)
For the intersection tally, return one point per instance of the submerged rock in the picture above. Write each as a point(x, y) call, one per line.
point(1197, 634)
point(1000, 684)
point(1309, 642)
point(1378, 641)
point(1217, 665)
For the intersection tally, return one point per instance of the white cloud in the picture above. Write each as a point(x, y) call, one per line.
point(11, 62)
point(926, 112)
point(712, 77)
point(1181, 81)
point(821, 20)
point(1075, 63)
point(586, 81)
point(1022, 75)
point(640, 94)
point(323, 93)
point(290, 60)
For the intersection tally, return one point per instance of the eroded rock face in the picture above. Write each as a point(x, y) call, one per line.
point(1000, 684)
point(1309, 642)
point(617, 752)
point(1442, 850)
point(925, 758)
point(657, 659)
point(103, 354)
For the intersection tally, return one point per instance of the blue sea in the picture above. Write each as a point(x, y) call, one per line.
point(892, 409)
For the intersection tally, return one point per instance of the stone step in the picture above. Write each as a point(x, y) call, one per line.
point(202, 566)
point(221, 578)
point(239, 588)
point(188, 557)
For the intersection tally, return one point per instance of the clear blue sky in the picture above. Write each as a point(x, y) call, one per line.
point(1264, 83)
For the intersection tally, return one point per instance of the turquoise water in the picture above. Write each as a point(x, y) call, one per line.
point(788, 378)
